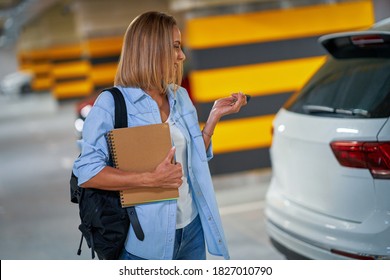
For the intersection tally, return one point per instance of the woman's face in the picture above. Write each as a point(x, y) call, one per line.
point(179, 55)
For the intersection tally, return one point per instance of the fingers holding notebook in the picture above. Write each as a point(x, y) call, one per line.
point(169, 172)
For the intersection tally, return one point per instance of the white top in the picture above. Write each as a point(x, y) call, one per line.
point(186, 209)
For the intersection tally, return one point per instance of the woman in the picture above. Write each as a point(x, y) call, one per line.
point(149, 74)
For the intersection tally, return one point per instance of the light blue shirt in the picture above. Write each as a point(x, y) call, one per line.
point(158, 220)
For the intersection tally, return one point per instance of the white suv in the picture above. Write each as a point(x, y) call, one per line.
point(329, 196)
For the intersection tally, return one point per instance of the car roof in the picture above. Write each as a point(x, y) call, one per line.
point(372, 42)
point(383, 26)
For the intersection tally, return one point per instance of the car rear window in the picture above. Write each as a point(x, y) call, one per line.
point(346, 88)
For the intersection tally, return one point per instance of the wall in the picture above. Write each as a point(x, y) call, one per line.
point(267, 49)
point(382, 9)
point(268, 54)
point(73, 47)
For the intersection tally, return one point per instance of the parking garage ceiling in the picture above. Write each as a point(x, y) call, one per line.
point(5, 4)
point(14, 14)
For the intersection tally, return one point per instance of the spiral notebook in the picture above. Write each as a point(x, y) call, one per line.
point(141, 149)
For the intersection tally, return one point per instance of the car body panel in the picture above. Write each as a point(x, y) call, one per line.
point(317, 206)
point(301, 149)
point(287, 220)
point(384, 134)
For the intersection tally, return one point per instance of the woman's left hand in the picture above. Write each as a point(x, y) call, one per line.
point(222, 107)
point(228, 105)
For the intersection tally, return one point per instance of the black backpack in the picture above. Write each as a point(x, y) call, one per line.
point(104, 223)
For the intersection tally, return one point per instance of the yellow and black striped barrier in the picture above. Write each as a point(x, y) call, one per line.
point(267, 54)
point(39, 63)
point(75, 70)
point(70, 72)
point(103, 55)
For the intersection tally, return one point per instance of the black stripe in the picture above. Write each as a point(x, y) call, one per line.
point(93, 60)
point(42, 75)
point(105, 59)
point(98, 88)
point(257, 106)
point(240, 161)
point(70, 79)
point(255, 53)
point(66, 60)
point(39, 60)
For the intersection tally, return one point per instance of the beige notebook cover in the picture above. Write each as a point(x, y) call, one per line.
point(140, 149)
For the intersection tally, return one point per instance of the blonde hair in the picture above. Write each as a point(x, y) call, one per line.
point(147, 57)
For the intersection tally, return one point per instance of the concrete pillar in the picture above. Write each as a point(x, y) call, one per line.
point(381, 9)
point(99, 18)
point(73, 47)
point(267, 49)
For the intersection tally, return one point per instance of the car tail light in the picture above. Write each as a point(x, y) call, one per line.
point(374, 156)
point(360, 44)
point(364, 40)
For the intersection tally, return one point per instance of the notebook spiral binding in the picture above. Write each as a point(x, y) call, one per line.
point(114, 157)
point(110, 141)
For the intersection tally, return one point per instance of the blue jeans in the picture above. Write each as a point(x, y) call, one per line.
point(189, 244)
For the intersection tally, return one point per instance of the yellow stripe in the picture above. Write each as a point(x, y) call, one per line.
point(100, 47)
point(41, 68)
point(71, 69)
point(278, 24)
point(40, 84)
point(103, 74)
point(38, 54)
point(242, 134)
point(73, 89)
point(65, 52)
point(257, 79)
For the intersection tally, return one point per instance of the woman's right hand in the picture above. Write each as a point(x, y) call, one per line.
point(168, 174)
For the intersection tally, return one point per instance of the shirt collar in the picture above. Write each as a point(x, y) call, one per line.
point(136, 94)
point(171, 96)
point(133, 94)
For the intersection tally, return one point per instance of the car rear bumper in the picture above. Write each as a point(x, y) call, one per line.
point(318, 236)
point(294, 247)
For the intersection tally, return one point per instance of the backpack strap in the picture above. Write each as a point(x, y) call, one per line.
point(121, 122)
point(120, 108)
